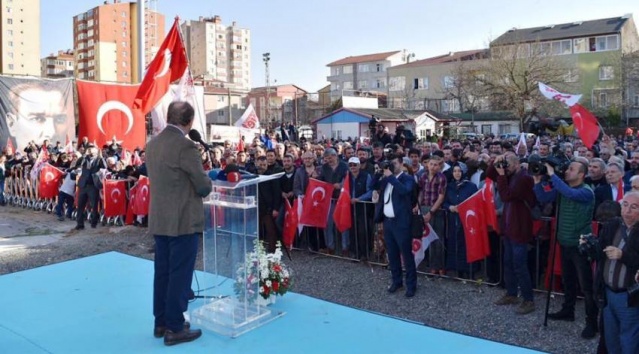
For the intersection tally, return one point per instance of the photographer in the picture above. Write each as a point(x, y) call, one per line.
point(617, 255)
point(574, 217)
point(515, 190)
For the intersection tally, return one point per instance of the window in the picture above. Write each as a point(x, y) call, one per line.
point(486, 129)
point(420, 83)
point(581, 45)
point(603, 43)
point(239, 47)
point(336, 134)
point(572, 75)
point(362, 68)
point(449, 82)
point(8, 9)
point(124, 53)
point(9, 21)
point(123, 24)
point(636, 101)
point(347, 69)
point(10, 66)
point(90, 43)
point(397, 83)
point(362, 84)
point(124, 44)
point(335, 70)
point(124, 34)
point(220, 113)
point(89, 23)
point(379, 67)
point(10, 43)
point(123, 13)
point(603, 100)
point(380, 83)
point(124, 64)
point(606, 73)
point(348, 85)
point(10, 32)
point(125, 74)
point(10, 54)
point(504, 129)
point(220, 98)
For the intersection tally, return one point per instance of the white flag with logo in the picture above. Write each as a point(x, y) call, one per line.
point(552, 94)
point(249, 119)
point(421, 245)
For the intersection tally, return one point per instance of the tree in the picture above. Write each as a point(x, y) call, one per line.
point(465, 86)
point(510, 78)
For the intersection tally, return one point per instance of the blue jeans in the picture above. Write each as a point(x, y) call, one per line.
point(516, 272)
point(173, 273)
point(2, 201)
point(62, 199)
point(621, 324)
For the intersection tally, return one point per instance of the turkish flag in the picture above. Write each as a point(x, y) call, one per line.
point(49, 181)
point(342, 213)
point(130, 214)
point(317, 203)
point(473, 218)
point(114, 198)
point(586, 124)
point(142, 197)
point(487, 193)
point(290, 224)
point(167, 66)
point(105, 112)
point(421, 245)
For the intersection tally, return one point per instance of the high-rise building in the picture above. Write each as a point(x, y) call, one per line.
point(218, 51)
point(105, 41)
point(57, 65)
point(20, 37)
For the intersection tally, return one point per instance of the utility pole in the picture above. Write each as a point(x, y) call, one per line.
point(266, 57)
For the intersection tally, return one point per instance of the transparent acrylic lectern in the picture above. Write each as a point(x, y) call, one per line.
point(231, 305)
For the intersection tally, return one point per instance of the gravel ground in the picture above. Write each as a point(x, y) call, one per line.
point(451, 305)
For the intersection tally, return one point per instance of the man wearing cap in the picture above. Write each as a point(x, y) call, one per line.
point(361, 190)
point(333, 171)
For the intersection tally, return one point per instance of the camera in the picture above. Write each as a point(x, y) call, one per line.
point(537, 165)
point(589, 247)
point(502, 164)
point(385, 165)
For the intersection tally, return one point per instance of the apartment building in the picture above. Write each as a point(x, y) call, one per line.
point(429, 83)
point(362, 73)
point(281, 103)
point(219, 51)
point(20, 37)
point(105, 41)
point(591, 53)
point(58, 65)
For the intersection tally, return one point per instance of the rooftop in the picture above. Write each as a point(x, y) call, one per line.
point(564, 30)
point(363, 58)
point(447, 58)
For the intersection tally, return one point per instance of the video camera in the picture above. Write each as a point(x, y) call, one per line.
point(537, 164)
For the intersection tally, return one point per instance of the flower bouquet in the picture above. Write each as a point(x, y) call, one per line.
point(266, 270)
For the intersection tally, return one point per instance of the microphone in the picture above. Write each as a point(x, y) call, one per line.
point(195, 136)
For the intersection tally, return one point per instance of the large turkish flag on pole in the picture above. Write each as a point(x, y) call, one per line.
point(586, 124)
point(106, 112)
point(49, 181)
point(114, 198)
point(317, 203)
point(472, 215)
point(167, 66)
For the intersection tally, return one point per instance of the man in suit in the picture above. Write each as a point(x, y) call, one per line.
point(394, 210)
point(176, 220)
point(615, 187)
point(88, 191)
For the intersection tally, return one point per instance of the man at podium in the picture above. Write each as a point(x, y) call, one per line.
point(176, 219)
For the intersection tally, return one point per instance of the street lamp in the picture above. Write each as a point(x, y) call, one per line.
point(266, 57)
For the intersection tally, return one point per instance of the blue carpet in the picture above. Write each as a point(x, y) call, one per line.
point(103, 304)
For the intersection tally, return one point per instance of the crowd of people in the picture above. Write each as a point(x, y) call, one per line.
point(584, 190)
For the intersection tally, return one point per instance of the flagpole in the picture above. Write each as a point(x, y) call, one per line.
point(190, 75)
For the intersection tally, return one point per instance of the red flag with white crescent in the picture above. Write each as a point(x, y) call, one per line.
point(167, 66)
point(290, 224)
point(49, 181)
point(142, 197)
point(586, 124)
point(130, 214)
point(317, 203)
point(473, 219)
point(488, 197)
point(105, 112)
point(114, 198)
point(342, 213)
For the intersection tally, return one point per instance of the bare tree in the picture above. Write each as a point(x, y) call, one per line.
point(510, 78)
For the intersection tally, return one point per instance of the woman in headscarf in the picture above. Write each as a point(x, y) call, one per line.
point(458, 190)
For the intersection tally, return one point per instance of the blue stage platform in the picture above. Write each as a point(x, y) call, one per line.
point(102, 304)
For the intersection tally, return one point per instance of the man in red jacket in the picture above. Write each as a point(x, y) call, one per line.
point(515, 188)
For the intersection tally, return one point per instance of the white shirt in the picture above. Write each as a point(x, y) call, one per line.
point(615, 191)
point(389, 212)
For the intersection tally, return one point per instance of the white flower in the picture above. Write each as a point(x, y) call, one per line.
point(268, 283)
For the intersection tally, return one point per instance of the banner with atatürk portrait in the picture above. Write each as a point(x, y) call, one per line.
point(34, 109)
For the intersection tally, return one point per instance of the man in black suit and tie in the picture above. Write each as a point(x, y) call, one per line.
point(615, 188)
point(91, 163)
point(394, 209)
